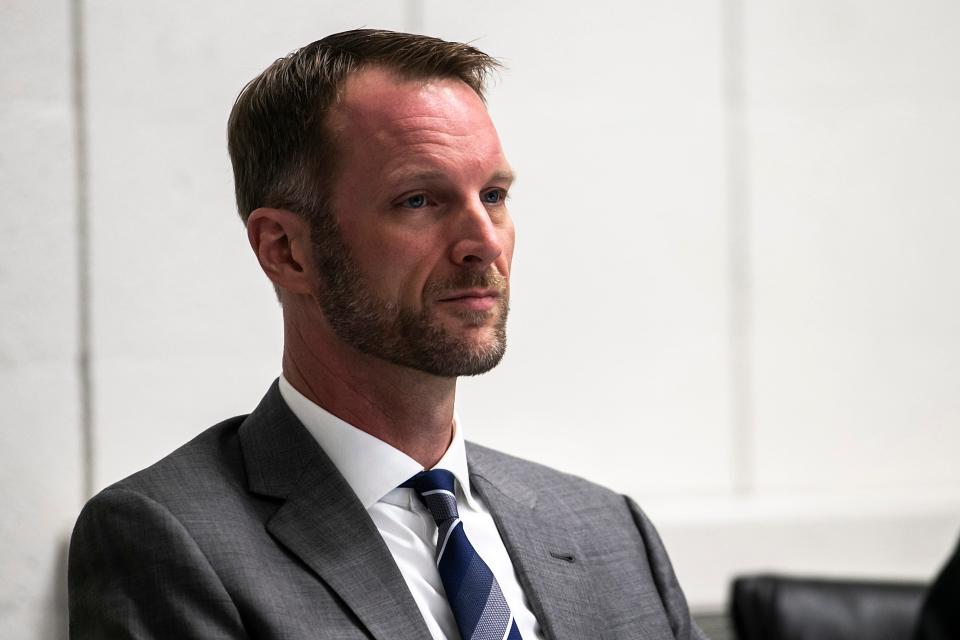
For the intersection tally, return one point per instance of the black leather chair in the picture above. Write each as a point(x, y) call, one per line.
point(770, 607)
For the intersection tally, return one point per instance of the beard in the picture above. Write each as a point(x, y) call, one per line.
point(401, 335)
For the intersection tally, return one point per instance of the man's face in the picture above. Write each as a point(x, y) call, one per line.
point(416, 268)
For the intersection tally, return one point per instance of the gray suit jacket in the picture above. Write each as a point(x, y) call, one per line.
point(249, 531)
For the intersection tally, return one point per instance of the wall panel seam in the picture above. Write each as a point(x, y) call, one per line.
point(82, 200)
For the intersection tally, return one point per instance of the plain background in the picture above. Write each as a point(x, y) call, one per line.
point(735, 291)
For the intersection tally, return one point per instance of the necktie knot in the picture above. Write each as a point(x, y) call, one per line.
point(437, 492)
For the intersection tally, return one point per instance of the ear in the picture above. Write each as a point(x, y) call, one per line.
point(281, 241)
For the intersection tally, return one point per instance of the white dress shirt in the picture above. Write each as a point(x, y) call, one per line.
point(374, 470)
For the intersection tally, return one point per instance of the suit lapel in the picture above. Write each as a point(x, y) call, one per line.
point(322, 522)
point(550, 567)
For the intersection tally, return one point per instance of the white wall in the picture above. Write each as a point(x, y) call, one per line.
point(41, 474)
point(734, 291)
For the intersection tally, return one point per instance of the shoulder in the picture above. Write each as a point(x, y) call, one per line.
point(580, 504)
point(184, 506)
point(546, 482)
point(153, 538)
point(194, 477)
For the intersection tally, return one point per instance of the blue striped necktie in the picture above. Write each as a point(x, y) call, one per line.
point(481, 611)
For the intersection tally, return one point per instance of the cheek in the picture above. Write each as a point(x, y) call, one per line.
point(412, 278)
point(403, 271)
point(379, 256)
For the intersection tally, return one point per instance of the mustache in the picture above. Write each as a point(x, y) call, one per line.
point(490, 279)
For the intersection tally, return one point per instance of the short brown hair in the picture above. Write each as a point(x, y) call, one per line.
point(282, 154)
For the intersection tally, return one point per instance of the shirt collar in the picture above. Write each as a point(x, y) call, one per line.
point(370, 466)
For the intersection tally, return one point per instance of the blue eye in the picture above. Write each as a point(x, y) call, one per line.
point(494, 196)
point(415, 202)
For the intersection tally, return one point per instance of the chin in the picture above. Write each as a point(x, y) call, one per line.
point(480, 361)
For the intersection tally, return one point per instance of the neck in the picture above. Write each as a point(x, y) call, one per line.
point(408, 409)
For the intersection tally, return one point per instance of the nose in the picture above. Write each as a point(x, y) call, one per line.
point(480, 238)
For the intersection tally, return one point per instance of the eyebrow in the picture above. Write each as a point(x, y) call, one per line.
point(507, 176)
point(405, 176)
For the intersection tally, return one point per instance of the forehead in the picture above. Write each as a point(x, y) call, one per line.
point(381, 113)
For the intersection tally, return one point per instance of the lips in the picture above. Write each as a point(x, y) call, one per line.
point(473, 299)
point(472, 294)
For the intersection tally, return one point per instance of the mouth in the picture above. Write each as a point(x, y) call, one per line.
point(473, 299)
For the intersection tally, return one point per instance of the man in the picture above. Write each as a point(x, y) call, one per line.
point(373, 188)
